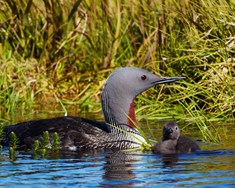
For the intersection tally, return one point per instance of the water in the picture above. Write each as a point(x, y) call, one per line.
point(213, 166)
point(204, 168)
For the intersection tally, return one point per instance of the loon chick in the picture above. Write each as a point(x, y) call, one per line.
point(117, 132)
point(172, 142)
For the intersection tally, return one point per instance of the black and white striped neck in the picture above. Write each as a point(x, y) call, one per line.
point(117, 107)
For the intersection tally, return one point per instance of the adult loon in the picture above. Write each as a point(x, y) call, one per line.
point(172, 142)
point(117, 132)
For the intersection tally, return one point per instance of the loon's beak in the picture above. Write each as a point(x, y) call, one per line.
point(163, 80)
point(169, 130)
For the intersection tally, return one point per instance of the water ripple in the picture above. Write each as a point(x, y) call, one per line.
point(200, 169)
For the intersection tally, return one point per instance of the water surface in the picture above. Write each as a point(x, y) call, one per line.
point(213, 166)
point(204, 168)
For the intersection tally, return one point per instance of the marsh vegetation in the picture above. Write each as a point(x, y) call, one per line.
point(60, 52)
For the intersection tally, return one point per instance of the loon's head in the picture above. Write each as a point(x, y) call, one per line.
point(170, 131)
point(120, 90)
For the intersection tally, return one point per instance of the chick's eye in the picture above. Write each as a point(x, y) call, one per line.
point(143, 77)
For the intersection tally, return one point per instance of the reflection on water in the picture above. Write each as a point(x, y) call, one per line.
point(213, 166)
point(123, 169)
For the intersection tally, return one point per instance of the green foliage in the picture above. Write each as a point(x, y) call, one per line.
point(46, 144)
point(12, 155)
point(13, 146)
point(13, 141)
point(61, 52)
point(1, 134)
point(36, 146)
point(45, 140)
point(56, 142)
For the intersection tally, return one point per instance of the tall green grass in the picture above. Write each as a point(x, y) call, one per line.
point(63, 50)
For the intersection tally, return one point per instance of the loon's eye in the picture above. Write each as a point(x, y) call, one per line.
point(143, 77)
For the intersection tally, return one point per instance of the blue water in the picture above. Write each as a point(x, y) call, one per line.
point(215, 168)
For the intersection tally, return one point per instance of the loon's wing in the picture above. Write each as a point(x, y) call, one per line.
point(100, 125)
point(69, 128)
point(186, 145)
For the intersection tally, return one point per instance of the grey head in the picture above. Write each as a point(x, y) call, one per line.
point(170, 131)
point(120, 90)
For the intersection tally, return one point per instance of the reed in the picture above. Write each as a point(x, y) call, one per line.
point(61, 52)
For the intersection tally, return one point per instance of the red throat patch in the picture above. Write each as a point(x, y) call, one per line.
point(132, 122)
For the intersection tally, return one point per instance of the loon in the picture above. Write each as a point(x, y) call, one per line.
point(119, 130)
point(172, 142)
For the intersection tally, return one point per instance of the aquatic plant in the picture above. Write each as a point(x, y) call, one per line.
point(13, 141)
point(36, 146)
point(13, 145)
point(56, 142)
point(12, 154)
point(1, 134)
point(47, 144)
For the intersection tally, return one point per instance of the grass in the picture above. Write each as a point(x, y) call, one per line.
point(61, 52)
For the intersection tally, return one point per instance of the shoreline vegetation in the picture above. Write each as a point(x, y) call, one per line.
point(61, 52)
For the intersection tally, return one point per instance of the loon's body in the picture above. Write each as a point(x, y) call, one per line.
point(172, 142)
point(75, 134)
point(117, 132)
